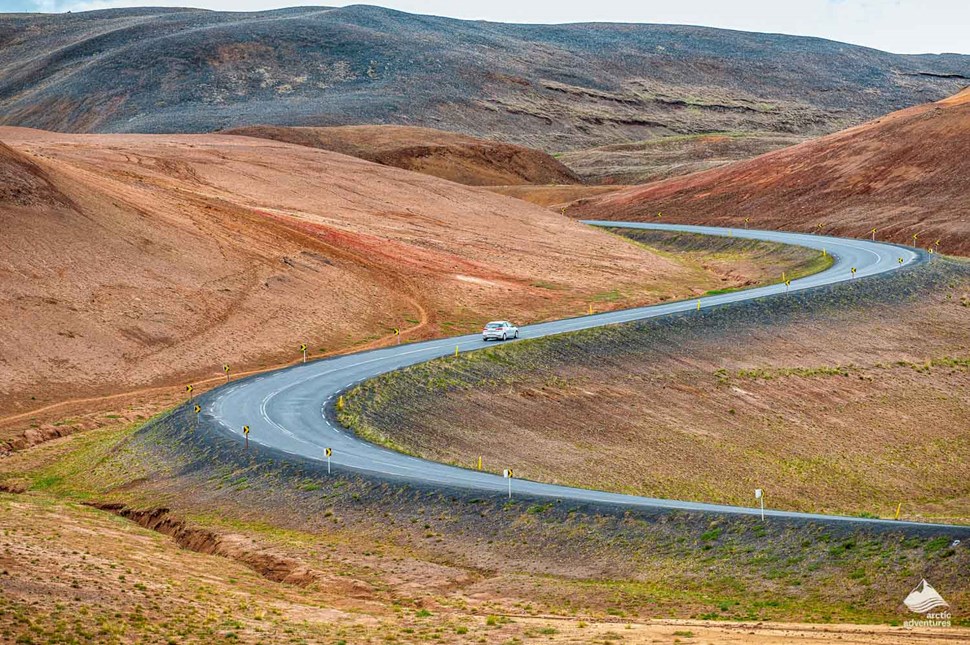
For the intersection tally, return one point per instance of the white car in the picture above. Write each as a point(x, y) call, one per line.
point(500, 329)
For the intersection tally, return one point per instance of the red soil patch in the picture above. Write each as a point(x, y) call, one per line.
point(904, 174)
point(455, 157)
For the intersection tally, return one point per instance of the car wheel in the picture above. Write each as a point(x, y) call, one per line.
point(504, 337)
point(516, 334)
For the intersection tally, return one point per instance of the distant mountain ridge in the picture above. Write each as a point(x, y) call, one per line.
point(556, 87)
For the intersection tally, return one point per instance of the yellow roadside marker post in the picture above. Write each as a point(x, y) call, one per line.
point(188, 390)
point(873, 235)
point(456, 351)
point(397, 335)
point(340, 402)
point(246, 435)
point(659, 215)
point(591, 309)
point(853, 271)
point(787, 285)
point(508, 474)
point(746, 220)
point(915, 237)
point(329, 453)
point(303, 349)
point(899, 507)
point(225, 368)
point(479, 463)
point(900, 260)
point(698, 305)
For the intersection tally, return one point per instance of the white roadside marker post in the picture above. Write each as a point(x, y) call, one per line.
point(760, 495)
point(303, 349)
point(507, 473)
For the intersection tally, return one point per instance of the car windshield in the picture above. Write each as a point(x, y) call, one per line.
point(495, 325)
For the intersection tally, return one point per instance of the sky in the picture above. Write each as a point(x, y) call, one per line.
point(901, 26)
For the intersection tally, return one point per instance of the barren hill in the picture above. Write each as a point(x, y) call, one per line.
point(554, 87)
point(134, 260)
point(905, 174)
point(640, 162)
point(455, 157)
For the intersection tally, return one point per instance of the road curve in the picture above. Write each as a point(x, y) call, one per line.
point(287, 409)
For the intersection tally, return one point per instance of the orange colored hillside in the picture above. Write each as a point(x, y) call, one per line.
point(905, 174)
point(455, 157)
point(137, 260)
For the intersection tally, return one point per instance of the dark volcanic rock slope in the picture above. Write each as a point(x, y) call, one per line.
point(555, 87)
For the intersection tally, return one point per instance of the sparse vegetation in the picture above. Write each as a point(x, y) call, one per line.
point(718, 390)
point(128, 516)
point(737, 578)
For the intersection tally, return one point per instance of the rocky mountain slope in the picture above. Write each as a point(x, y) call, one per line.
point(905, 174)
point(553, 87)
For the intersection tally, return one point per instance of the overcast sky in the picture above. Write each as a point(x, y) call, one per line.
point(902, 26)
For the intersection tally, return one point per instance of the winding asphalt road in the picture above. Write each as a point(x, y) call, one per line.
point(286, 409)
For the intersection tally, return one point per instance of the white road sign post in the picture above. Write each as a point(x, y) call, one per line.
point(760, 495)
point(507, 473)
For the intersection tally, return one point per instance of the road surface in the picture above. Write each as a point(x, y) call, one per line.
point(287, 409)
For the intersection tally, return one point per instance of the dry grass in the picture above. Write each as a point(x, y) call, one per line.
point(73, 573)
point(60, 584)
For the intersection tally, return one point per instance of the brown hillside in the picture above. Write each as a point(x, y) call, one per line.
point(455, 157)
point(556, 197)
point(664, 157)
point(135, 260)
point(23, 183)
point(907, 173)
